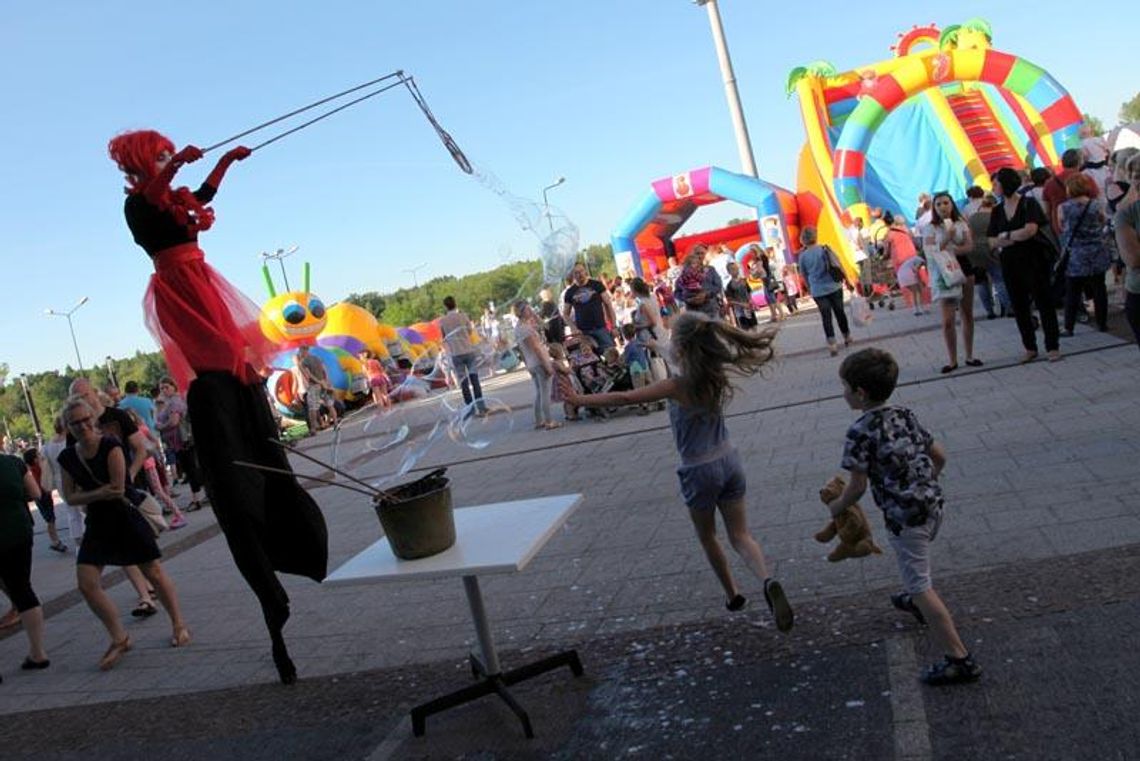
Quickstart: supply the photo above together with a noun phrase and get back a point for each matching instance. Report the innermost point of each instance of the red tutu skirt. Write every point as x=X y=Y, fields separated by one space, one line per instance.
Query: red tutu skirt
x=201 y=321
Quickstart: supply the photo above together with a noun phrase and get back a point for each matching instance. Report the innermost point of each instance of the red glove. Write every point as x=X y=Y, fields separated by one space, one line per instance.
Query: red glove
x=187 y=155
x=237 y=154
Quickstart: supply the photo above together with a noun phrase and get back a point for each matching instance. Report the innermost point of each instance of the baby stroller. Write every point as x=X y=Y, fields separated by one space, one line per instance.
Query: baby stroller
x=884 y=281
x=592 y=373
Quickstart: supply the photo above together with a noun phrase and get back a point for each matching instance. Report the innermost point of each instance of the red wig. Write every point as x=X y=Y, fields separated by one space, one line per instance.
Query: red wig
x=136 y=153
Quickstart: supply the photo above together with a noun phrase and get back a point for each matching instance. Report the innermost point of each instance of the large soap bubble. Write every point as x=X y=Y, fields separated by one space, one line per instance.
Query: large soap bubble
x=482 y=423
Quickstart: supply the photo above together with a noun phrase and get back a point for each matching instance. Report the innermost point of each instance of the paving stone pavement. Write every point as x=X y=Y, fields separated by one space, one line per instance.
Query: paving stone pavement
x=1041 y=461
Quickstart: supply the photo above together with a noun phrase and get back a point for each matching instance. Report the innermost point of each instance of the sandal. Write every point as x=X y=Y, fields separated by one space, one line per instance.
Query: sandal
x=1028 y=357
x=904 y=602
x=59 y=547
x=973 y=362
x=552 y=425
x=952 y=671
x=30 y=665
x=947 y=369
x=145 y=609
x=114 y=654
x=181 y=637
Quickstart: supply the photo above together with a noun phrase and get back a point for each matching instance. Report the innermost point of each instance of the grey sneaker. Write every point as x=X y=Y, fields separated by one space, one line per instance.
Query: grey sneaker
x=778 y=604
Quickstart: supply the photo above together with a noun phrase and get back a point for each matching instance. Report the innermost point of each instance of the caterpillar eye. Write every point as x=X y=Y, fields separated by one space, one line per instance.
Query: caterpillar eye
x=294 y=313
x=316 y=308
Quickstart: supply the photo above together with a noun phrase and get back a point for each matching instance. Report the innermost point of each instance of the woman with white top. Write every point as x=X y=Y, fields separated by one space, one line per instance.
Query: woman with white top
x=949 y=232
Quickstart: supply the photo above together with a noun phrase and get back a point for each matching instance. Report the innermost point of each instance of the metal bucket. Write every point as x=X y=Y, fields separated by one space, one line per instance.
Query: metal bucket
x=417 y=516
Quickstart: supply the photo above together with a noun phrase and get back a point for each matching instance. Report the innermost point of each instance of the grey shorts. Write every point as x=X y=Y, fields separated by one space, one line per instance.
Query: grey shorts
x=912 y=551
x=706 y=485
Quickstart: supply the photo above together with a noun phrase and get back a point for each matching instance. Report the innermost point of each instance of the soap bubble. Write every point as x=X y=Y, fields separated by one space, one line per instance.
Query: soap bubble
x=399 y=461
x=385 y=428
x=558 y=237
x=481 y=424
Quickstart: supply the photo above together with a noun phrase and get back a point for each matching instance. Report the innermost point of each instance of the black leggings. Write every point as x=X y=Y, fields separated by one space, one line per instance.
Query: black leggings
x=16 y=573
x=1075 y=290
x=829 y=304
x=1026 y=276
x=188 y=461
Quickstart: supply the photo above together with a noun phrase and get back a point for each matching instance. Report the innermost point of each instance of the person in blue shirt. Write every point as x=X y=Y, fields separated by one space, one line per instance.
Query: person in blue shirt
x=817 y=263
x=143 y=406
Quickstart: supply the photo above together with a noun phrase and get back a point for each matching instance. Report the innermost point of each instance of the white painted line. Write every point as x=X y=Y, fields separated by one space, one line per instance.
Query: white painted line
x=390 y=744
x=912 y=732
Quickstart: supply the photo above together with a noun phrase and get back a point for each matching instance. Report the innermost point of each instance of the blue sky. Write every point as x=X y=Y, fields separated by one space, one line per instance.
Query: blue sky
x=610 y=94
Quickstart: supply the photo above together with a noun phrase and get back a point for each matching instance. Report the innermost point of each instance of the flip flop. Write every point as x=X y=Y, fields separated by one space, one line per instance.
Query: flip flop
x=181 y=637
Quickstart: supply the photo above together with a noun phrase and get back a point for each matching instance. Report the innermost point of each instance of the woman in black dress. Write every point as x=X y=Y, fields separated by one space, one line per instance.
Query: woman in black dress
x=94 y=475
x=1025 y=263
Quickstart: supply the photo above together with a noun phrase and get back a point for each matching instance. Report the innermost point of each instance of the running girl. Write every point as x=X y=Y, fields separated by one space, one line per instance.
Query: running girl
x=704 y=351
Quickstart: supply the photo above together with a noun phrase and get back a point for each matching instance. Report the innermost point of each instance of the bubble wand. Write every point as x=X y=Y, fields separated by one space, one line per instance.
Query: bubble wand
x=401 y=79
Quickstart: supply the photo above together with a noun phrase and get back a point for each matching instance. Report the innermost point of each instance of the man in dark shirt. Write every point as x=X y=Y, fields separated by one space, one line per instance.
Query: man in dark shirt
x=588 y=302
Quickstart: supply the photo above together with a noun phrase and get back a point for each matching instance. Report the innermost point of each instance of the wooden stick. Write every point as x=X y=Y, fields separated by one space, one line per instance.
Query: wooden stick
x=349 y=476
x=284 y=472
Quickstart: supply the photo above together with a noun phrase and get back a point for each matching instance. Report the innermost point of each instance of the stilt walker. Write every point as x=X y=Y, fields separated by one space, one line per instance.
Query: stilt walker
x=213 y=344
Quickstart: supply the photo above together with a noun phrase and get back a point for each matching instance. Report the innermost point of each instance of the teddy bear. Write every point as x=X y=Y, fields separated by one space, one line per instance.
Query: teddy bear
x=850 y=525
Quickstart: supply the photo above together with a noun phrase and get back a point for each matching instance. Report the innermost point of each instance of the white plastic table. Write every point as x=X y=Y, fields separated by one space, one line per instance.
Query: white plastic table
x=490 y=539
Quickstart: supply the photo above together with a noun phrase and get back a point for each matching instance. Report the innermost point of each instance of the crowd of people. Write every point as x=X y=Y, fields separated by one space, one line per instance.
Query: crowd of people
x=1038 y=243
x=103 y=461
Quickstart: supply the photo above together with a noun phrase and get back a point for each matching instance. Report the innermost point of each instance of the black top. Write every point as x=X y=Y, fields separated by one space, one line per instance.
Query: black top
x=1028 y=210
x=586 y=301
x=156 y=229
x=1114 y=199
x=117 y=424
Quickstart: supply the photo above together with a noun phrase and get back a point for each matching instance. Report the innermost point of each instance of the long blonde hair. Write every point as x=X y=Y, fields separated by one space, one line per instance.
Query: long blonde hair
x=708 y=350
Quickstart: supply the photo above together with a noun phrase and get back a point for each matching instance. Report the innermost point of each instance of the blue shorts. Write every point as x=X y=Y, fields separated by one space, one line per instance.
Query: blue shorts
x=705 y=486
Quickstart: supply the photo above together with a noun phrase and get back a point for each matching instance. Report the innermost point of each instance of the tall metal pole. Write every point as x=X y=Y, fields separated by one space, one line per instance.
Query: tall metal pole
x=74 y=342
x=31 y=409
x=743 y=143
x=71 y=326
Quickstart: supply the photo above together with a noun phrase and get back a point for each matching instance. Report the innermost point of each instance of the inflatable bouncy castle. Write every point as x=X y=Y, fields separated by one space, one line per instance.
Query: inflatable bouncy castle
x=337 y=335
x=943 y=114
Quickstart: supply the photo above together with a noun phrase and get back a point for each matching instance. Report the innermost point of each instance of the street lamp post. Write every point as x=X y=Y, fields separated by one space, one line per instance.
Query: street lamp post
x=743 y=143
x=546 y=203
x=279 y=255
x=111 y=371
x=413 y=270
x=31 y=409
x=70 y=326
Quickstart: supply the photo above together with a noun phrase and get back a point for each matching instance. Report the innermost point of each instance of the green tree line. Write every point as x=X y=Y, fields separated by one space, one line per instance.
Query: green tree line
x=48 y=390
x=472 y=292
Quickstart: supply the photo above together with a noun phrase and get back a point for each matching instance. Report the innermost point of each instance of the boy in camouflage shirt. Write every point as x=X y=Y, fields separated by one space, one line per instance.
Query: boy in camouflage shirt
x=888 y=448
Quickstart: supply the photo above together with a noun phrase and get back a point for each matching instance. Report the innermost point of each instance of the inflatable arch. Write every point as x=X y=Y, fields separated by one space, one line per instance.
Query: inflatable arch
x=1053 y=116
x=644 y=237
